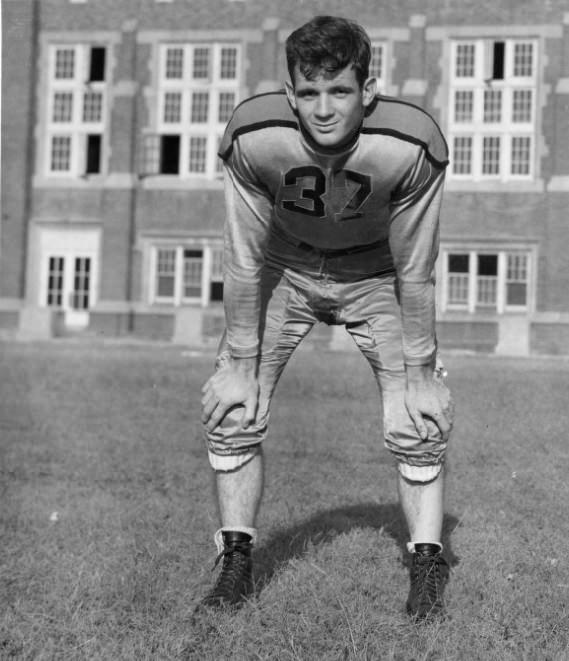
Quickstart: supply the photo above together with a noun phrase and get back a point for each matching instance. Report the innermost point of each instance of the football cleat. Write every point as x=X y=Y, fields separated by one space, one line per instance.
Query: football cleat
x=429 y=575
x=234 y=584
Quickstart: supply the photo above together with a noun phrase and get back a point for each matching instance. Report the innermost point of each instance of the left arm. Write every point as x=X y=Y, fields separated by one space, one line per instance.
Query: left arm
x=414 y=241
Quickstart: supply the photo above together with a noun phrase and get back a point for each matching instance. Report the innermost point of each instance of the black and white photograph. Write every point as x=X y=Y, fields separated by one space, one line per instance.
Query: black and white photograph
x=284 y=330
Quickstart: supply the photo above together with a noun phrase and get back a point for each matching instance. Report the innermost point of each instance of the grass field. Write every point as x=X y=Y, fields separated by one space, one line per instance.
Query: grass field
x=107 y=513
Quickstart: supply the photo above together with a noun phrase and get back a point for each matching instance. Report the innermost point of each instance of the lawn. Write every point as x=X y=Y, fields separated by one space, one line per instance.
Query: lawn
x=108 y=515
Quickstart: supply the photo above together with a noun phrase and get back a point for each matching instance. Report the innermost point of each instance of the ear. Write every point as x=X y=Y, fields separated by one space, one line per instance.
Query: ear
x=369 y=91
x=290 y=94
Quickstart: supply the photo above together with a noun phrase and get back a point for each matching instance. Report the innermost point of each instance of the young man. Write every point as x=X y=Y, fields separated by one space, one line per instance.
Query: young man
x=333 y=197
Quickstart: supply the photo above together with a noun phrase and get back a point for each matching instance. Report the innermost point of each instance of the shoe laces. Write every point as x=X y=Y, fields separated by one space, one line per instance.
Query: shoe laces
x=427 y=573
x=235 y=561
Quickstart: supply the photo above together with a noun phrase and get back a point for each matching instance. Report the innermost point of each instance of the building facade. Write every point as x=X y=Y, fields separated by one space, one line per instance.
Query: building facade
x=112 y=194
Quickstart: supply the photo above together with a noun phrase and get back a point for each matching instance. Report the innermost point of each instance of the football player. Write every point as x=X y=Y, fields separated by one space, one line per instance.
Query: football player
x=332 y=214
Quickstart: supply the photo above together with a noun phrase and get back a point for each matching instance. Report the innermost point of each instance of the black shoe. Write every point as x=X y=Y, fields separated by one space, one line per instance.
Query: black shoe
x=235 y=582
x=429 y=575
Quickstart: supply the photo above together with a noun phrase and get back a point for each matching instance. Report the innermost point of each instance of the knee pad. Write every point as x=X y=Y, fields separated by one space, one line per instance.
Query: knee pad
x=420 y=473
x=230 y=462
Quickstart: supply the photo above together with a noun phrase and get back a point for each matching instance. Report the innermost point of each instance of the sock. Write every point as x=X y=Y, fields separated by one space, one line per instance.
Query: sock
x=218 y=537
x=424 y=548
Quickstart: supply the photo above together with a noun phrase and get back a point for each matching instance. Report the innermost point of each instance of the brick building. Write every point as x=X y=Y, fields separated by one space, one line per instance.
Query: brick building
x=112 y=204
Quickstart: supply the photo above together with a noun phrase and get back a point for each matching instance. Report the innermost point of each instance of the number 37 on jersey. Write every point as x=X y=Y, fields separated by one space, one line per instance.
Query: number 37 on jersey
x=312 y=192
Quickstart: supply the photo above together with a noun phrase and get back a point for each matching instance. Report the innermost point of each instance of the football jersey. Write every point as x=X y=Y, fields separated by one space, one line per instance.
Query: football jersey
x=384 y=187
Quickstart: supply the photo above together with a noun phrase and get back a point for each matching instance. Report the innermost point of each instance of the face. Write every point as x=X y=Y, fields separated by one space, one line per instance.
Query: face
x=330 y=108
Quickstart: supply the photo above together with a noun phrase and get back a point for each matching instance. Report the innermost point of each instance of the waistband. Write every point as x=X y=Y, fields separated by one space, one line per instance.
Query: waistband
x=328 y=252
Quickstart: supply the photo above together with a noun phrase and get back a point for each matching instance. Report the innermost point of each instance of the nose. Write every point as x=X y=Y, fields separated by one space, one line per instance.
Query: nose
x=324 y=107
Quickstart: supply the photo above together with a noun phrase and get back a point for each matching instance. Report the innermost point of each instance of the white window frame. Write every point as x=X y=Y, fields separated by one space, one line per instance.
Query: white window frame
x=214 y=85
x=471 y=305
x=76 y=129
x=380 y=76
x=209 y=271
x=505 y=129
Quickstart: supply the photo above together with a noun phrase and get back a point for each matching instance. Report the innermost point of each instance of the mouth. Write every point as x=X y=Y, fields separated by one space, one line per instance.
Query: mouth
x=325 y=128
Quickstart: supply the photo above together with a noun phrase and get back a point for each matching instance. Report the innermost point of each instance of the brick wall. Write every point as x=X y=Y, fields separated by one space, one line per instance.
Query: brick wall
x=18 y=60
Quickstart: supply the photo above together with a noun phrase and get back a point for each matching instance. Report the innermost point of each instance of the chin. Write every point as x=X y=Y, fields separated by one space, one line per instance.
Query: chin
x=328 y=140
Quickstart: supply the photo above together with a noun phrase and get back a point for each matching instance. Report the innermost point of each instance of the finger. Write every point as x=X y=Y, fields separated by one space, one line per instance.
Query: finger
x=249 y=412
x=444 y=426
x=208 y=397
x=419 y=423
x=442 y=423
x=208 y=408
x=216 y=417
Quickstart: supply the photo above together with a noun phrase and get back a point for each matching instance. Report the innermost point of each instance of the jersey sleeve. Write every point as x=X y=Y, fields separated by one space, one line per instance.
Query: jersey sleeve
x=247 y=226
x=414 y=241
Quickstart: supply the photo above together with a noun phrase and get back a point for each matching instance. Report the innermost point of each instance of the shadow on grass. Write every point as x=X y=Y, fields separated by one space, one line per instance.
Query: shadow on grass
x=323 y=527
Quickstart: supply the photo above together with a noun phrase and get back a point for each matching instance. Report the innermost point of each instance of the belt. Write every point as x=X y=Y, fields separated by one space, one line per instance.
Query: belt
x=330 y=252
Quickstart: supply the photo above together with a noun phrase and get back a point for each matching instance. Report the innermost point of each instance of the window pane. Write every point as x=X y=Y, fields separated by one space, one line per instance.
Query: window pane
x=80 y=299
x=226 y=105
x=172 y=107
x=93 y=165
x=462 y=155
x=517 y=267
x=498 y=52
x=217 y=264
x=201 y=63
x=92 y=106
x=516 y=293
x=228 y=63
x=523 y=59
x=488 y=265
x=522 y=106
x=193 y=266
x=464 y=65
x=174 y=63
x=62 y=107
x=165 y=272
x=198 y=154
x=463 y=105
x=200 y=107
x=216 y=291
x=487 y=288
x=170 y=154
x=516 y=279
x=376 y=63
x=521 y=149
x=55 y=281
x=97 y=64
x=458 y=277
x=60 y=153
x=487 y=280
x=64 y=63
x=458 y=263
x=492 y=106
x=491 y=155
x=150 y=155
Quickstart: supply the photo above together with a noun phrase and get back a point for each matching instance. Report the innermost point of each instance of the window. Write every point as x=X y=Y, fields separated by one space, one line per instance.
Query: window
x=76 y=110
x=486 y=280
x=187 y=274
x=55 y=282
x=197 y=91
x=492 y=109
x=377 y=65
x=81 y=283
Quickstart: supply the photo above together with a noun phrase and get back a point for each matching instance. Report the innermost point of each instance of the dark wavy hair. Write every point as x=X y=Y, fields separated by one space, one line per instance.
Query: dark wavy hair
x=328 y=44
